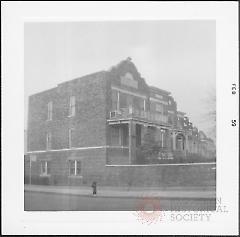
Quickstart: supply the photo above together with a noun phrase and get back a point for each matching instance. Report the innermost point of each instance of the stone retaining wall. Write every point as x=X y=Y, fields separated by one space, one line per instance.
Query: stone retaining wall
x=157 y=175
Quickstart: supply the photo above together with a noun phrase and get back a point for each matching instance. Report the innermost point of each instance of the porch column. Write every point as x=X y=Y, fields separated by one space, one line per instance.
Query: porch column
x=168 y=138
x=118 y=97
x=132 y=141
x=144 y=105
x=120 y=136
x=174 y=140
x=186 y=143
x=162 y=137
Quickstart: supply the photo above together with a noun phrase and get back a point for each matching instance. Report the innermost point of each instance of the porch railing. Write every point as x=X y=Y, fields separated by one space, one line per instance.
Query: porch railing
x=125 y=113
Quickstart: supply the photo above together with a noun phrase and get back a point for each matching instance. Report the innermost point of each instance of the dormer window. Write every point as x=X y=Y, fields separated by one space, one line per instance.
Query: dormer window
x=128 y=80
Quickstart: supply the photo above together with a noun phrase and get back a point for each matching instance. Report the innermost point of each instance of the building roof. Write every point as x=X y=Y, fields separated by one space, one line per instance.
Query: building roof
x=43 y=92
x=153 y=88
x=181 y=113
x=82 y=77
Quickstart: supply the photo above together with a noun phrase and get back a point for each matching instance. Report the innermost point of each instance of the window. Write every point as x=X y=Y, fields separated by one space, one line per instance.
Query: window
x=49 y=140
x=74 y=167
x=45 y=168
x=114 y=100
x=115 y=136
x=123 y=102
x=138 y=134
x=70 y=135
x=159 y=96
x=139 y=103
x=119 y=135
x=124 y=133
x=128 y=80
x=49 y=105
x=72 y=106
x=170 y=119
x=159 y=108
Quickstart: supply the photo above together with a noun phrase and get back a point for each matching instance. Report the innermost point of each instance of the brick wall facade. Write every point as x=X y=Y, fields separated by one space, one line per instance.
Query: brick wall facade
x=88 y=124
x=90 y=130
x=92 y=167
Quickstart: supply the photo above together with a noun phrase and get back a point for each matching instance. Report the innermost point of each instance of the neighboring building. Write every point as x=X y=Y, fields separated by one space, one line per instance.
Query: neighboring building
x=206 y=146
x=25 y=142
x=79 y=127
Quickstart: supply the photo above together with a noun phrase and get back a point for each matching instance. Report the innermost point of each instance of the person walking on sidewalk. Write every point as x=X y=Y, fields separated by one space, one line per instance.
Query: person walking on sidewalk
x=94 y=187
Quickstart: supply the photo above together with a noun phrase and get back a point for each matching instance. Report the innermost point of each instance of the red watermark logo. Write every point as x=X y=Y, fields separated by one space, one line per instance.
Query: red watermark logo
x=148 y=210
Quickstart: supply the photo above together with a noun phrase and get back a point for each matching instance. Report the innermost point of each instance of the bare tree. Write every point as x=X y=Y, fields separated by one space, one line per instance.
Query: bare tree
x=210 y=116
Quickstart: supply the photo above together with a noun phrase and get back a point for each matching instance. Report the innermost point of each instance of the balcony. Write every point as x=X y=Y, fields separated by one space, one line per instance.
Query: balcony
x=179 y=125
x=132 y=113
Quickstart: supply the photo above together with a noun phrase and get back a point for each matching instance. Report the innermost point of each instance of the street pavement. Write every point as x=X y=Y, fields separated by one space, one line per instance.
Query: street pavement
x=42 y=201
x=132 y=192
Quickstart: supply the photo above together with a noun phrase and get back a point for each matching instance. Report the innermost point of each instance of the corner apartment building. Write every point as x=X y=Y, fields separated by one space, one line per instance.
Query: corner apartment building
x=78 y=128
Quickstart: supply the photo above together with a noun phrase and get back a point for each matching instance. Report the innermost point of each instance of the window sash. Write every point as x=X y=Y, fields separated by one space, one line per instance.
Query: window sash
x=72 y=106
x=49 y=141
x=74 y=167
x=78 y=167
x=71 y=167
x=115 y=136
x=50 y=108
x=70 y=133
x=45 y=168
x=159 y=108
x=114 y=100
x=139 y=103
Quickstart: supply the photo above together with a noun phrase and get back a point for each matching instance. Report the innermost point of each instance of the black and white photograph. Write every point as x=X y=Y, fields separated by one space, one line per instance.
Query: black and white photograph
x=120 y=114
x=116 y=111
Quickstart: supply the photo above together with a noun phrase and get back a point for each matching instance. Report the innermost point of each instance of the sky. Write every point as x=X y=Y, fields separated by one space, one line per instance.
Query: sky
x=175 y=55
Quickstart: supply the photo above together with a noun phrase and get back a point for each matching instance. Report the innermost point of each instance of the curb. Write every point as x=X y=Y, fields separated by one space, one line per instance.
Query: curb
x=127 y=197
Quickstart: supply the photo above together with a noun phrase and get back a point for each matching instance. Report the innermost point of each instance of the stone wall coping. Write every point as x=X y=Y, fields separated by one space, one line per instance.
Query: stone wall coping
x=177 y=164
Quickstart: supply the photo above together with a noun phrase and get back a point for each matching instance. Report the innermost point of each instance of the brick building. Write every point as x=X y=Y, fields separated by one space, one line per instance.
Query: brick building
x=81 y=127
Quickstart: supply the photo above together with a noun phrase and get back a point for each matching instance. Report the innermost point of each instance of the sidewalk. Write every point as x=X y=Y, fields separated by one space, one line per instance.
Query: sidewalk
x=133 y=192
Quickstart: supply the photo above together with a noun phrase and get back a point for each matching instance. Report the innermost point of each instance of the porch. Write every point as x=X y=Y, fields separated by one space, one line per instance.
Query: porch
x=129 y=138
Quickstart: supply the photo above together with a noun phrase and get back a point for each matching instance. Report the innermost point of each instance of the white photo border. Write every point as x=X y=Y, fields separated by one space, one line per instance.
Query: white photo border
x=17 y=221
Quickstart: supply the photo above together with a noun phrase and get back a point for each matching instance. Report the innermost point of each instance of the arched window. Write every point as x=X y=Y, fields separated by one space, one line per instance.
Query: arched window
x=180 y=142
